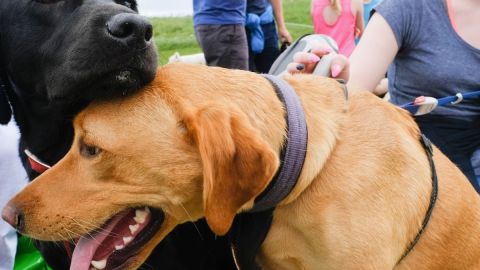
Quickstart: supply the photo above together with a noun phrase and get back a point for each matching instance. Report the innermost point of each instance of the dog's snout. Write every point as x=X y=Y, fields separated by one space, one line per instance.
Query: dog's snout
x=13 y=216
x=130 y=28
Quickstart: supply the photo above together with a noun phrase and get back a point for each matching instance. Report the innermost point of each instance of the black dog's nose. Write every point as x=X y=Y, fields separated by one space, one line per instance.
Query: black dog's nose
x=13 y=217
x=130 y=28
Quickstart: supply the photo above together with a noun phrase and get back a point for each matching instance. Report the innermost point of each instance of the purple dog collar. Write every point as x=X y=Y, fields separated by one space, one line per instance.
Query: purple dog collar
x=293 y=152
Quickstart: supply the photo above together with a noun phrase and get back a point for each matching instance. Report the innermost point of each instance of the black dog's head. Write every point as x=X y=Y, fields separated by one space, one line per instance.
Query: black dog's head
x=71 y=50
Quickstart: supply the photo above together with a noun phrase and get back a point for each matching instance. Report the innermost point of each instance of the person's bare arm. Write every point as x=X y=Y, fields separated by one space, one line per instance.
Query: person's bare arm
x=372 y=56
x=282 y=28
x=359 y=25
x=368 y=63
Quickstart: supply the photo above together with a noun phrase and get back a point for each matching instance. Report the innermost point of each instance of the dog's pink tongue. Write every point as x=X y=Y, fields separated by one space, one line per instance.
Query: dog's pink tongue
x=85 y=249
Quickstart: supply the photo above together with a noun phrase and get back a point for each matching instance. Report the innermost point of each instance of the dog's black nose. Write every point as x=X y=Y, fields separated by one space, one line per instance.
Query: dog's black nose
x=13 y=217
x=132 y=29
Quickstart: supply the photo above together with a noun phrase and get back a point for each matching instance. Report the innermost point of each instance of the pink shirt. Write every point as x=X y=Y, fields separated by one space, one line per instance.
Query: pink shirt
x=342 y=31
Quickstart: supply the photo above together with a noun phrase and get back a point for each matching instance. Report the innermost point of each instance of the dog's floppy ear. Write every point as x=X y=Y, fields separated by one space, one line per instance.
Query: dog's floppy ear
x=237 y=162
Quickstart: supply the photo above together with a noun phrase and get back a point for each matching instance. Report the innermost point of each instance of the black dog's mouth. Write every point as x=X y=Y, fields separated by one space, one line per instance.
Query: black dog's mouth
x=118 y=83
x=110 y=85
x=108 y=78
x=118 y=240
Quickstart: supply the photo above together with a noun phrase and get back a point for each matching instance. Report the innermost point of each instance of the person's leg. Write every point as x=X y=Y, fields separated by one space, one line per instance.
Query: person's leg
x=264 y=60
x=234 y=41
x=204 y=34
x=224 y=45
x=476 y=163
x=251 y=55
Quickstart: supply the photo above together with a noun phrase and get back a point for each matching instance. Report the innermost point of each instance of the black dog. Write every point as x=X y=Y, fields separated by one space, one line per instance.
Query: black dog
x=59 y=55
x=56 y=56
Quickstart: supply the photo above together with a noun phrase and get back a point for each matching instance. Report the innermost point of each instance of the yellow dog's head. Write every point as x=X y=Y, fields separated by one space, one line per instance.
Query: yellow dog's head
x=195 y=143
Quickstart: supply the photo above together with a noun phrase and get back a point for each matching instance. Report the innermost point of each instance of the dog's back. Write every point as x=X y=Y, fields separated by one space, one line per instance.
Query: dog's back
x=367 y=203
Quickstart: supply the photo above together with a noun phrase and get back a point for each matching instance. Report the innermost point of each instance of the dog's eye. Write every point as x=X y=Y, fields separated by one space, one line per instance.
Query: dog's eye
x=89 y=151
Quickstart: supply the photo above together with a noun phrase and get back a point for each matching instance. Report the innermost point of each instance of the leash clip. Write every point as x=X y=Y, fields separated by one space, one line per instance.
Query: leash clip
x=458 y=100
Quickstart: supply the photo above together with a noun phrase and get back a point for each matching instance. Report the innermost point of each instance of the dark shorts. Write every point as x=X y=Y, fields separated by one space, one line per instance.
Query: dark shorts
x=457 y=139
x=223 y=45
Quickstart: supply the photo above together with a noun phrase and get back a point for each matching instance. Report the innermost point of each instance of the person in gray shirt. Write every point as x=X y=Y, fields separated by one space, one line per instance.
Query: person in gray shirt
x=431 y=48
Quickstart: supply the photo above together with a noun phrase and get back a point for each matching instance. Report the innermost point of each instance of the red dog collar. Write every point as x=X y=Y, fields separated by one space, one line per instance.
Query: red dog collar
x=37 y=165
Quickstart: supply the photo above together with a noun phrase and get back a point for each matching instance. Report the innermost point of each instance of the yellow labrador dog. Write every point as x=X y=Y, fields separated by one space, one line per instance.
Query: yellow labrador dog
x=205 y=142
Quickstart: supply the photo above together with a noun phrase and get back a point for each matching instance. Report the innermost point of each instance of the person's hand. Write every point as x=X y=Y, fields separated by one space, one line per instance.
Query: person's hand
x=284 y=35
x=358 y=32
x=305 y=62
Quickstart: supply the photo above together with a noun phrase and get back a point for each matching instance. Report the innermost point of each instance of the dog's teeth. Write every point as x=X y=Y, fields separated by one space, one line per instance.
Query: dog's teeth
x=133 y=228
x=139 y=220
x=118 y=247
x=147 y=209
x=99 y=264
x=127 y=239
x=140 y=216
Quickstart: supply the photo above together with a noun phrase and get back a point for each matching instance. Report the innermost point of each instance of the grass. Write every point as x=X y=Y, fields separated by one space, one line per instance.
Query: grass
x=176 y=34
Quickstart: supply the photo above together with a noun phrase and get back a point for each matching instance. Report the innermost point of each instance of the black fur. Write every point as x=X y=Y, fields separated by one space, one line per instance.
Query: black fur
x=59 y=57
x=5 y=110
x=55 y=58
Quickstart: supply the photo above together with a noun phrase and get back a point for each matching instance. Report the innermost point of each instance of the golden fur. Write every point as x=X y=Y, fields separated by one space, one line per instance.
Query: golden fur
x=202 y=141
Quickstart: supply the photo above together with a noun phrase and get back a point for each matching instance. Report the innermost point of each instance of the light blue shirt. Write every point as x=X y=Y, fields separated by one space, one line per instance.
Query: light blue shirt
x=367 y=9
x=220 y=12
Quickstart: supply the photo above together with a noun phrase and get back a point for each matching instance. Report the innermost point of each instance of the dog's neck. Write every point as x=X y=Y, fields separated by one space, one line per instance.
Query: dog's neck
x=325 y=112
x=325 y=106
x=45 y=126
x=250 y=229
x=294 y=150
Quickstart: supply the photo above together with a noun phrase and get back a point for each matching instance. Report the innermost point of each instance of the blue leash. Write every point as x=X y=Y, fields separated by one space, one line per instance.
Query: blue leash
x=430 y=103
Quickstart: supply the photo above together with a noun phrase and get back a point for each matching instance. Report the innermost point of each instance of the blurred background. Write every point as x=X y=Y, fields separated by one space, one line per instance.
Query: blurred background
x=173 y=26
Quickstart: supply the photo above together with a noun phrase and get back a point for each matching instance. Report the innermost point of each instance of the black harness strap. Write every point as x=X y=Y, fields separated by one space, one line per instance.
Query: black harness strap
x=433 y=197
x=246 y=236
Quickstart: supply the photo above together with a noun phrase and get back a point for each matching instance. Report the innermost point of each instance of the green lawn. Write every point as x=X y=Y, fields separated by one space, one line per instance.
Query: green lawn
x=176 y=34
